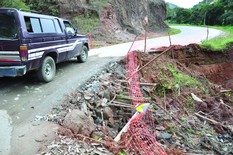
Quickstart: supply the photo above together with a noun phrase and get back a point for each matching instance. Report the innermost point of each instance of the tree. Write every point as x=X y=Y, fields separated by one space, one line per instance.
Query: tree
x=227 y=17
x=50 y=7
x=18 y=4
x=182 y=15
x=198 y=15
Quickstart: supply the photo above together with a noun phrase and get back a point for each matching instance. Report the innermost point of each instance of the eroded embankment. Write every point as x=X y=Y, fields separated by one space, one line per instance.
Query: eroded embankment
x=215 y=66
x=190 y=114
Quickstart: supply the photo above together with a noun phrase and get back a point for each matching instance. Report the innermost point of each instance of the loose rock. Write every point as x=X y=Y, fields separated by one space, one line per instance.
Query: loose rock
x=79 y=123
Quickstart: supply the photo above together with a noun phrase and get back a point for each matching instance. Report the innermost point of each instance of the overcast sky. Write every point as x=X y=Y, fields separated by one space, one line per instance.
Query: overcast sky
x=184 y=3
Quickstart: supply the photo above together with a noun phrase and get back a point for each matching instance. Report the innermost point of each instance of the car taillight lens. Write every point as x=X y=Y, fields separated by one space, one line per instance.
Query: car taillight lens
x=23 y=52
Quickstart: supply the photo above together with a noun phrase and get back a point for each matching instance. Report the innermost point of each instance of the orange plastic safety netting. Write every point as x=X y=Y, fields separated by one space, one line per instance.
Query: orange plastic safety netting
x=140 y=138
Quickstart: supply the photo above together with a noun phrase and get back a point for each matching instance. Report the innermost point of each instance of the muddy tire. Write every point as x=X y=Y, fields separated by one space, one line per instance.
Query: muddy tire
x=47 y=71
x=83 y=55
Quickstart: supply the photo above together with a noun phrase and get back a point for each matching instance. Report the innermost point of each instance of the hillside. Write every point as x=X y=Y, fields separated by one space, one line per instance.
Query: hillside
x=208 y=12
x=109 y=19
x=172 y=6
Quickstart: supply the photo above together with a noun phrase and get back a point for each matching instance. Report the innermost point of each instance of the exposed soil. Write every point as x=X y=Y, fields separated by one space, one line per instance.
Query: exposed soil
x=215 y=66
x=191 y=92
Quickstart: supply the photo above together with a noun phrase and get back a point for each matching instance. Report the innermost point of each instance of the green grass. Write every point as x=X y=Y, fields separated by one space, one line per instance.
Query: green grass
x=174 y=80
x=172 y=24
x=215 y=44
x=86 y=23
x=173 y=31
x=222 y=42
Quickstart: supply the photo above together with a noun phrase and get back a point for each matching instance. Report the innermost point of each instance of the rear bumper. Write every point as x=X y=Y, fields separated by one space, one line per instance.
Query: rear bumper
x=12 y=71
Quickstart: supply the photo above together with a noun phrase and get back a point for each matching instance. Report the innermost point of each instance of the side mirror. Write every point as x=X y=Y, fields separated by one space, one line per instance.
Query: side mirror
x=70 y=31
x=77 y=31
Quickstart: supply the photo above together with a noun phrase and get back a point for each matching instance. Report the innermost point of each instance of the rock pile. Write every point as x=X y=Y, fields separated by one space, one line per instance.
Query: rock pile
x=100 y=108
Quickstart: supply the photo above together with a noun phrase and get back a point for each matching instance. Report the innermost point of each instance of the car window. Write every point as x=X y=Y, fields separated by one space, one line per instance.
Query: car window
x=42 y=25
x=58 y=26
x=69 y=28
x=33 y=25
x=8 y=26
x=48 y=26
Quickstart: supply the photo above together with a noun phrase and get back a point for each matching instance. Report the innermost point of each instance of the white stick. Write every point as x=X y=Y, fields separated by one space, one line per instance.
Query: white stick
x=125 y=128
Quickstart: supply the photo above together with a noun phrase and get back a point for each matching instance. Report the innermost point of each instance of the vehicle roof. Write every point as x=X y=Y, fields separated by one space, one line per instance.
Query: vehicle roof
x=31 y=14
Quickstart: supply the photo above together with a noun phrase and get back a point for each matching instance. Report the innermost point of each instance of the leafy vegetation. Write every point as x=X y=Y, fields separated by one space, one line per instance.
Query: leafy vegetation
x=19 y=4
x=221 y=42
x=173 y=80
x=215 y=13
x=45 y=6
x=98 y=5
x=86 y=23
x=208 y=12
x=173 y=31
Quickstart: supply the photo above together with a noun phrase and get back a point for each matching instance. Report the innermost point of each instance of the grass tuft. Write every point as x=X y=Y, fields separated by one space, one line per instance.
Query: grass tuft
x=222 y=42
x=173 y=31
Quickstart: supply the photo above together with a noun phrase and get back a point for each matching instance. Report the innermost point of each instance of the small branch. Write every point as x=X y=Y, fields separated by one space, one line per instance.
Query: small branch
x=141 y=83
x=196 y=98
x=225 y=91
x=185 y=68
x=123 y=97
x=120 y=105
x=112 y=99
x=133 y=43
x=88 y=139
x=207 y=119
x=118 y=84
x=228 y=127
x=102 y=117
x=221 y=101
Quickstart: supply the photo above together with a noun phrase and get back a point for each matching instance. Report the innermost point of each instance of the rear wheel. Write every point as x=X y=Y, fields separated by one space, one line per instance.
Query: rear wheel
x=47 y=71
x=83 y=55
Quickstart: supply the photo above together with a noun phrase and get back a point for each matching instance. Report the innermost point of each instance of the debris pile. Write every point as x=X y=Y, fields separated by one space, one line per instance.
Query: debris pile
x=192 y=113
x=71 y=146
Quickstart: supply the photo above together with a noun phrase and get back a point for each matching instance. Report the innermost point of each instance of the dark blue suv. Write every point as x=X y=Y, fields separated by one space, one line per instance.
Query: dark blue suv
x=31 y=41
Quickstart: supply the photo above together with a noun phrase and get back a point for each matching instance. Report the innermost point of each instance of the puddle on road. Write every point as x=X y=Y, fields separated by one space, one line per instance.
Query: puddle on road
x=5 y=132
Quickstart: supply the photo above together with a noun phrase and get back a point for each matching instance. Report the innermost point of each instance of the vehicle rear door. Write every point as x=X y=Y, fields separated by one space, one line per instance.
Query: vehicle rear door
x=9 y=38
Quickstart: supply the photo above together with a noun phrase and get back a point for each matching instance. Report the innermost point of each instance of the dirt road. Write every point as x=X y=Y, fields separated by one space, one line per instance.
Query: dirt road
x=24 y=100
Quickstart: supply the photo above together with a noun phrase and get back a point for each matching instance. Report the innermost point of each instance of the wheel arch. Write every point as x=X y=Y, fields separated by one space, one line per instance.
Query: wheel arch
x=87 y=45
x=52 y=54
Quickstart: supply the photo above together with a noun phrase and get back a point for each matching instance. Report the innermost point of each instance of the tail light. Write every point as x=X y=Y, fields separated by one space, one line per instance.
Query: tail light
x=23 y=51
